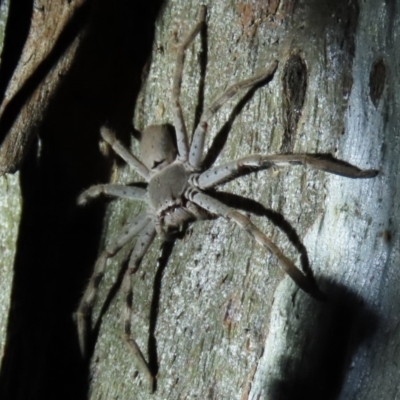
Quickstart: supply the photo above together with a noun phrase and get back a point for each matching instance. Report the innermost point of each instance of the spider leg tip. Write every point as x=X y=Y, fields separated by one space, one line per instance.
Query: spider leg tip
x=370 y=173
x=107 y=134
x=82 y=348
x=81 y=200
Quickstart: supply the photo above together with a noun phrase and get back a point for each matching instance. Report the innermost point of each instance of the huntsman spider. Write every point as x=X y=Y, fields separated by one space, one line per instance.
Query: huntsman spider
x=179 y=192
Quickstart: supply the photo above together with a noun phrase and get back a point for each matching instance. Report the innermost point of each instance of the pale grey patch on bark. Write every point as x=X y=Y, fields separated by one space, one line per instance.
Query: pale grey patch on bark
x=10 y=213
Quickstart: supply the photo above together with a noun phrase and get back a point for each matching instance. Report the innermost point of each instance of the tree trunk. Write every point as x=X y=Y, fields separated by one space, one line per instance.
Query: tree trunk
x=216 y=317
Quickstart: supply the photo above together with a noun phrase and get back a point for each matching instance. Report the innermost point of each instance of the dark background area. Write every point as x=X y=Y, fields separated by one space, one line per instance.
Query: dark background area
x=57 y=240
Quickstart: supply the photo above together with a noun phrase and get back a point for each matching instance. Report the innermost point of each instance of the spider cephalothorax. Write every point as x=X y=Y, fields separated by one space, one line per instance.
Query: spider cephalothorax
x=179 y=191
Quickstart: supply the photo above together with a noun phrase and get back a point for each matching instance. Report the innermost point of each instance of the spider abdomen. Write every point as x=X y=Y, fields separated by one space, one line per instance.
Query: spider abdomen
x=167 y=186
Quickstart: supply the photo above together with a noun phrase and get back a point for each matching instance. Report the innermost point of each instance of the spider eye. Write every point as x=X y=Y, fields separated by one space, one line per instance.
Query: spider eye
x=157 y=163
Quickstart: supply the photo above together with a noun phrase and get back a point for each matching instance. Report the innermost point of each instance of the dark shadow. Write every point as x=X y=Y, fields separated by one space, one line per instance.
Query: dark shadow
x=162 y=263
x=167 y=248
x=254 y=207
x=112 y=293
x=58 y=241
x=203 y=59
x=331 y=333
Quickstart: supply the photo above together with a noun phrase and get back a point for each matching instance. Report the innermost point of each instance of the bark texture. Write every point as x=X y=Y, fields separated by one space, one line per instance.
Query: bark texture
x=215 y=317
x=54 y=31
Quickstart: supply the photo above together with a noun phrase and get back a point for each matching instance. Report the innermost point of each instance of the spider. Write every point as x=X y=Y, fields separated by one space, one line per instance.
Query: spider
x=179 y=191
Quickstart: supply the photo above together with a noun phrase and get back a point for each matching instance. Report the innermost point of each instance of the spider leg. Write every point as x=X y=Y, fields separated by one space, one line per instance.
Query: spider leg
x=122 y=191
x=216 y=207
x=197 y=146
x=230 y=170
x=109 y=136
x=179 y=122
x=86 y=305
x=142 y=245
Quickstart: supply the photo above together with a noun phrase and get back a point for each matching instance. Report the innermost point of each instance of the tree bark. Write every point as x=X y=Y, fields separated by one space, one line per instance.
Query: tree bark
x=215 y=317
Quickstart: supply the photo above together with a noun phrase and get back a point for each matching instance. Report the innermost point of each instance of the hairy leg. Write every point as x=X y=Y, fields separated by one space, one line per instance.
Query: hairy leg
x=179 y=122
x=230 y=170
x=122 y=191
x=109 y=136
x=197 y=146
x=216 y=207
x=142 y=245
x=84 y=312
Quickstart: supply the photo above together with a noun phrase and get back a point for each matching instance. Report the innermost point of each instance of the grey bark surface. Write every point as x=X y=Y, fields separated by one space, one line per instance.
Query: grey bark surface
x=229 y=324
x=45 y=58
x=219 y=319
